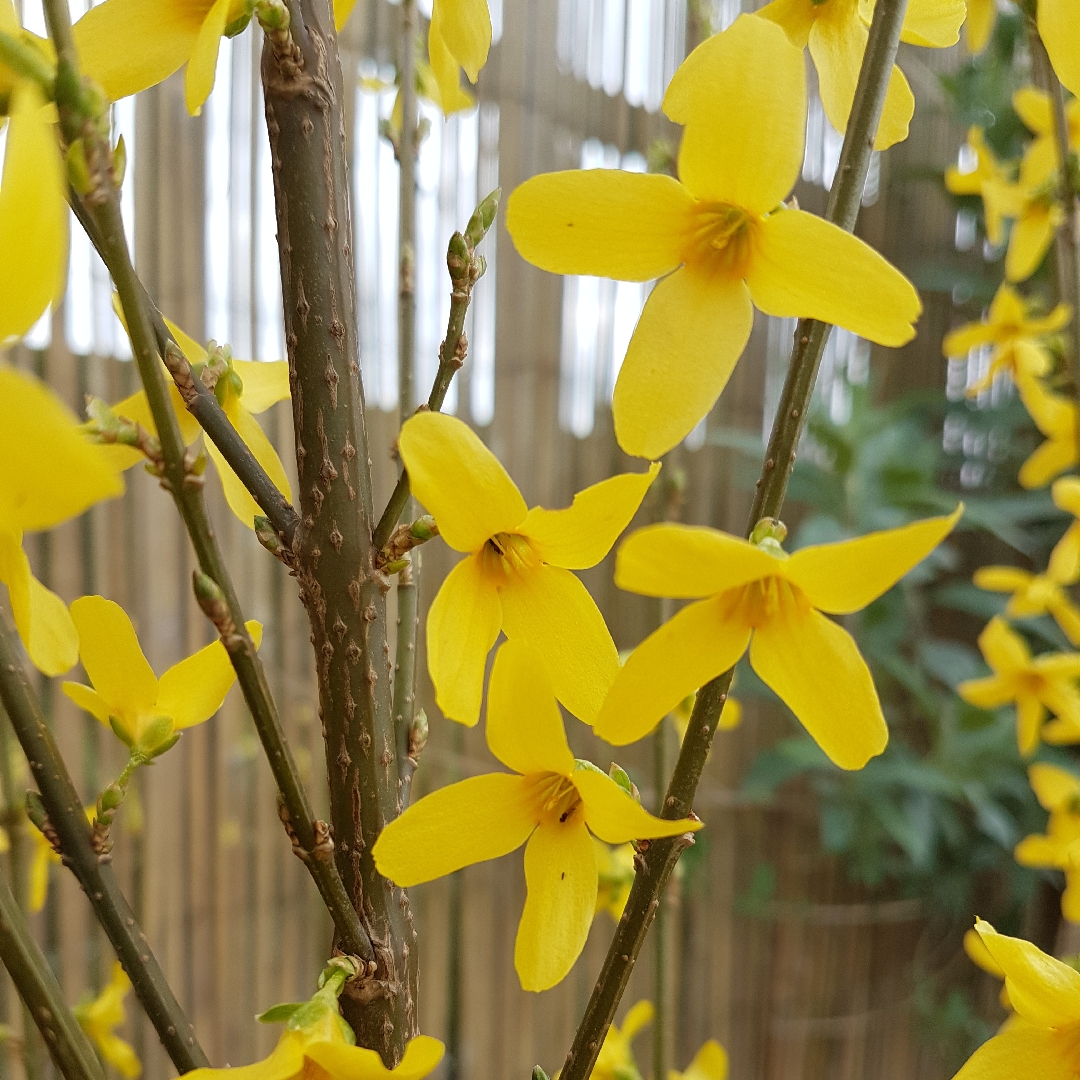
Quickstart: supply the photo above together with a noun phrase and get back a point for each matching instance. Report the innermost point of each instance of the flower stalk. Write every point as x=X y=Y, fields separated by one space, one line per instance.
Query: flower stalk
x=656 y=864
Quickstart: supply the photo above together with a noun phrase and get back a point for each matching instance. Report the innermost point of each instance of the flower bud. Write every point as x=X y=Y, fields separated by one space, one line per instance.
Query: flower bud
x=482 y=218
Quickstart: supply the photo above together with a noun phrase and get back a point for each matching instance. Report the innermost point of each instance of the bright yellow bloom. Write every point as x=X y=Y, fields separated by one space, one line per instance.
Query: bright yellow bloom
x=517 y=577
x=1059 y=28
x=759 y=596
x=99 y=1016
x=1035 y=109
x=1035 y=216
x=980 y=956
x=1038 y=594
x=1066 y=496
x=129 y=45
x=1056 y=417
x=50 y=473
x=979 y=25
x=33 y=203
x=550 y=806
x=730 y=718
x=616 y=1058
x=245 y=388
x=41 y=859
x=1058 y=791
x=836 y=32
x=127 y=696
x=1016 y=335
x=987 y=167
x=710 y=1063
x=719 y=234
x=1035 y=684
x=1044 y=1039
x=615 y=870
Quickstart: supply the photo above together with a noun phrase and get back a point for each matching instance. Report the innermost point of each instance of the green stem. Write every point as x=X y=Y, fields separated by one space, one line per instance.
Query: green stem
x=662 y=855
x=37 y=986
x=66 y=816
x=27 y=61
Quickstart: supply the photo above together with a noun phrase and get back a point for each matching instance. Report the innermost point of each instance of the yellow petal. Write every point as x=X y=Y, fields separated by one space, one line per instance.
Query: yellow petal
x=524 y=725
x=550 y=612
x=605 y=222
x=119 y=1054
x=33 y=214
x=1042 y=990
x=88 y=699
x=804 y=266
x=1070 y=898
x=265 y=383
x=285 y=1063
x=191 y=349
x=420 y=1058
x=1051 y=458
x=616 y=817
x=481 y=818
x=451 y=97
x=37 y=490
x=1060 y=30
x=1033 y=107
x=581 y=535
x=846 y=576
x=1054 y=787
x=463 y=623
x=339 y=1059
x=987 y=693
x=1030 y=715
x=1005 y=650
x=691 y=333
x=934 y=24
x=979 y=954
x=696 y=645
x=41 y=617
x=202 y=66
x=137 y=408
x=982 y=14
x=111 y=655
x=459 y=480
x=1066 y=495
x=816 y=669
x=710 y=1063
x=795 y=16
x=1064 y=564
x=688 y=561
x=742 y=96
x=965 y=338
x=1001 y=578
x=561 y=878
x=158 y=38
x=465 y=26
x=342 y=10
x=638 y=1016
x=194 y=689
x=1032 y=235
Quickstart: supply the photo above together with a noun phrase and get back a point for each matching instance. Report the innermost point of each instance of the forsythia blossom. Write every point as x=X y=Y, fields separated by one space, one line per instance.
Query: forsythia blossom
x=1058 y=792
x=1036 y=110
x=979 y=25
x=757 y=595
x=710 y=1063
x=550 y=806
x=99 y=1016
x=1056 y=417
x=719 y=237
x=616 y=1058
x=1059 y=29
x=517 y=576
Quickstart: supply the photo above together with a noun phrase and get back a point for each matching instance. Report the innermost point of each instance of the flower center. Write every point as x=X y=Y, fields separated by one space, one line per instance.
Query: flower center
x=557 y=798
x=759 y=602
x=510 y=553
x=721 y=238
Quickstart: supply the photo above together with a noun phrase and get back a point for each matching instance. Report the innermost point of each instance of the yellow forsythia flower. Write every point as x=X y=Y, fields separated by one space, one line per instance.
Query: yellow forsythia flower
x=1038 y=594
x=616 y=1058
x=1058 y=792
x=1034 y=108
x=50 y=473
x=517 y=575
x=979 y=26
x=987 y=167
x=615 y=869
x=1035 y=684
x=980 y=956
x=1035 y=215
x=1066 y=496
x=247 y=387
x=836 y=33
x=710 y=1063
x=33 y=204
x=759 y=596
x=1056 y=417
x=1059 y=27
x=1015 y=334
x=41 y=859
x=719 y=234
x=550 y=806
x=1046 y=996
x=129 y=45
x=99 y=1016
x=127 y=696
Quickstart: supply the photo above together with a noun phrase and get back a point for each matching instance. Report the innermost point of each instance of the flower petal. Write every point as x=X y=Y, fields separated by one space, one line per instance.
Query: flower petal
x=339 y=1059
x=158 y=39
x=1060 y=30
x=582 y=534
x=690 y=335
x=1004 y=649
x=1033 y=106
x=459 y=480
x=111 y=655
x=1054 y=787
x=616 y=817
x=963 y=339
x=1042 y=990
x=202 y=64
x=982 y=14
x=451 y=97
x=1015 y=1052
x=1047 y=461
x=465 y=26
x=989 y=693
x=481 y=818
x=710 y=1063
x=524 y=725
x=815 y=667
x=88 y=699
x=685 y=562
x=1032 y=235
x=562 y=880
x=795 y=16
x=742 y=96
x=604 y=222
x=1030 y=715
x=846 y=576
x=551 y=612
x=194 y=689
x=697 y=644
x=806 y=267
x=285 y=1062
x=342 y=10
x=934 y=24
x=33 y=214
x=1001 y=578
x=265 y=383
x=463 y=623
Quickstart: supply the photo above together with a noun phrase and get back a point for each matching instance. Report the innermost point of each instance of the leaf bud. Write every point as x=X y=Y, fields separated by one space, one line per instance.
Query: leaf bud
x=119 y=161
x=458 y=257
x=35 y=810
x=418 y=733
x=273 y=15
x=482 y=218
x=266 y=534
x=620 y=776
x=78 y=168
x=110 y=798
x=424 y=528
x=538 y=1073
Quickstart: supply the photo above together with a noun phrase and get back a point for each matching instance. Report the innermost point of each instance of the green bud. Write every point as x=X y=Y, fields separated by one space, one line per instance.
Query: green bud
x=482 y=218
x=35 y=810
x=397 y=565
x=119 y=161
x=424 y=528
x=236 y=384
x=95 y=105
x=458 y=257
x=418 y=733
x=620 y=776
x=479 y=267
x=157 y=738
x=273 y=15
x=206 y=589
x=121 y=732
x=78 y=168
x=110 y=798
x=538 y=1073
x=768 y=529
x=266 y=534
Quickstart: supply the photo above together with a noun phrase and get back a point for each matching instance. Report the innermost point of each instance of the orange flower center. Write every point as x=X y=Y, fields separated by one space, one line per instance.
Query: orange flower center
x=557 y=798
x=721 y=238
x=510 y=553
x=759 y=602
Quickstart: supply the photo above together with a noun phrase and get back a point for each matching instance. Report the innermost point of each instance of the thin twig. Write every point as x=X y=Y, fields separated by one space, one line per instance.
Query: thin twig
x=657 y=863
